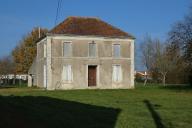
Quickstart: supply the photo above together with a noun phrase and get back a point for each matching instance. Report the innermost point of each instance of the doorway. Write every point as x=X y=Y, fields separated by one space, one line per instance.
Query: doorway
x=92 y=75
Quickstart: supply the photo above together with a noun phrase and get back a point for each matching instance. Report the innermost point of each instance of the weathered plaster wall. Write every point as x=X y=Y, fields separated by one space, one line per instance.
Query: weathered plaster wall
x=54 y=61
x=32 y=80
x=80 y=62
x=40 y=62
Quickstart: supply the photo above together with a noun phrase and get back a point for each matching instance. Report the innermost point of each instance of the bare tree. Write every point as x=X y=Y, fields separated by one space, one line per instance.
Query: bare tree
x=147 y=51
x=156 y=58
x=6 y=66
x=164 y=63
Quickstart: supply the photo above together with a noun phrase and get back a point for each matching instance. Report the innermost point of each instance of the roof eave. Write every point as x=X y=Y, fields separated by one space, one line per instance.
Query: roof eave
x=43 y=37
x=120 y=37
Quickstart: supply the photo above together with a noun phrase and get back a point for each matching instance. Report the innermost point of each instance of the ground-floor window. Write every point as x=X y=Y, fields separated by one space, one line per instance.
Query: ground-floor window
x=67 y=74
x=45 y=76
x=117 y=73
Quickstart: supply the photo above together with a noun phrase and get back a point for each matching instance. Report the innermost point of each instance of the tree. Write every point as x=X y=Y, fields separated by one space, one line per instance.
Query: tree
x=6 y=67
x=156 y=58
x=147 y=52
x=180 y=36
x=25 y=52
x=164 y=63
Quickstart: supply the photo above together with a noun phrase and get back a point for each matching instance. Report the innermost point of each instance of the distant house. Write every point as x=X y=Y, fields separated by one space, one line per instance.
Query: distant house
x=12 y=79
x=84 y=53
x=142 y=75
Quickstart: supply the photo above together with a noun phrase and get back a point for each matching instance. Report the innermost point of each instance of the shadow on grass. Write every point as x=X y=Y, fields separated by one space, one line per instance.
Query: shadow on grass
x=157 y=119
x=46 y=112
x=177 y=87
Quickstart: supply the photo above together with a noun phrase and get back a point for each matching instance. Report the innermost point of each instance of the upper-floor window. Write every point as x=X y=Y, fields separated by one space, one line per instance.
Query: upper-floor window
x=45 y=50
x=116 y=50
x=67 y=49
x=92 y=49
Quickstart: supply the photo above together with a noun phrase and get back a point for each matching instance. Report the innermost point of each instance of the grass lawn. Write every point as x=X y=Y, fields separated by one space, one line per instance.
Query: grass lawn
x=143 y=107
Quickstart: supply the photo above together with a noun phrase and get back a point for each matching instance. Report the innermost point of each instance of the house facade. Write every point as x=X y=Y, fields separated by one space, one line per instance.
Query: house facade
x=84 y=53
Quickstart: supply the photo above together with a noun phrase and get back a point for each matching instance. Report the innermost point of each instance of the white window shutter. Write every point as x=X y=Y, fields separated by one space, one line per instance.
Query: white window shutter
x=67 y=75
x=64 y=75
x=113 y=74
x=117 y=73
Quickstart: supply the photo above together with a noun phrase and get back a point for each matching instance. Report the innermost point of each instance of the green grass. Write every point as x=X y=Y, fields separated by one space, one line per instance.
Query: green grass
x=143 y=107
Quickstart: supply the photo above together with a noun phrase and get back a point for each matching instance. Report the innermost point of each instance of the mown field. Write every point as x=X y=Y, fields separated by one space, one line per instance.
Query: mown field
x=143 y=107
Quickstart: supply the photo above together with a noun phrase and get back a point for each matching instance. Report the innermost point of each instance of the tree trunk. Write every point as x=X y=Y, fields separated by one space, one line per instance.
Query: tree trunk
x=145 y=82
x=164 y=76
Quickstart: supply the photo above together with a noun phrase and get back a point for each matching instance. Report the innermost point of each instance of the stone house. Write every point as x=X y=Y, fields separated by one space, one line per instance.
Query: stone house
x=84 y=53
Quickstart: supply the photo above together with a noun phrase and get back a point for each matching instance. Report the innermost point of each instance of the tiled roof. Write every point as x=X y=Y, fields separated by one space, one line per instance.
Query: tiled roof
x=88 y=26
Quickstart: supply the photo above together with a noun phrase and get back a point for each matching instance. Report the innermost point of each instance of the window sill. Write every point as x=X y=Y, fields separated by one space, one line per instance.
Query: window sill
x=117 y=82
x=92 y=58
x=67 y=82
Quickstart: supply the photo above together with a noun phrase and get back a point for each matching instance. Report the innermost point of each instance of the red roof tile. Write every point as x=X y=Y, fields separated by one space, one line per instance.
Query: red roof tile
x=88 y=26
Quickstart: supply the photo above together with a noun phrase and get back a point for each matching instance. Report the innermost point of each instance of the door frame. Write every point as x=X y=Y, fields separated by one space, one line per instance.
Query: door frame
x=97 y=75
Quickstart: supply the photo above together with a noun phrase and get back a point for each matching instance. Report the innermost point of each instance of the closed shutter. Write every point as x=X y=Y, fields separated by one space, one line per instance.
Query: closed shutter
x=92 y=50
x=67 y=74
x=116 y=50
x=117 y=73
x=67 y=49
x=114 y=74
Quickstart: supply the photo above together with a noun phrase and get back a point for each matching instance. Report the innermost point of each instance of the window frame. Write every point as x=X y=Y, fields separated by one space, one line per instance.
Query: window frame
x=96 y=53
x=63 y=73
x=44 y=50
x=121 y=77
x=113 y=50
x=63 y=45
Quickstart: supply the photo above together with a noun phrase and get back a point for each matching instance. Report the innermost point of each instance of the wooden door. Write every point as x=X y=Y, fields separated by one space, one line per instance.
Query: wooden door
x=92 y=75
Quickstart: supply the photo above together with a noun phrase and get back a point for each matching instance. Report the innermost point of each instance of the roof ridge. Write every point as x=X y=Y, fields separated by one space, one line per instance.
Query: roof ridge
x=84 y=17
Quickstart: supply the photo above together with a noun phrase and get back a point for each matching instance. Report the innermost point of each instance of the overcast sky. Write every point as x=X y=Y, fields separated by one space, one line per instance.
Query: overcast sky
x=138 y=17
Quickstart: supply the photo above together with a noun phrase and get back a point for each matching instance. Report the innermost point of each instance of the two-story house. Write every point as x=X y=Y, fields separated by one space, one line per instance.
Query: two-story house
x=83 y=53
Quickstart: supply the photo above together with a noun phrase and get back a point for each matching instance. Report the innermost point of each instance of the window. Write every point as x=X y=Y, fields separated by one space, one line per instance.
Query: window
x=45 y=50
x=92 y=49
x=67 y=49
x=117 y=73
x=116 y=50
x=45 y=76
x=67 y=74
